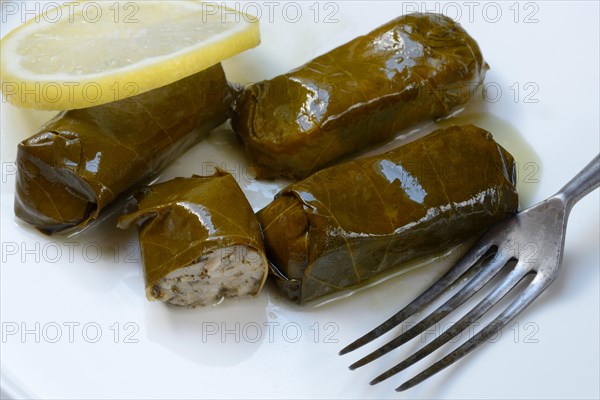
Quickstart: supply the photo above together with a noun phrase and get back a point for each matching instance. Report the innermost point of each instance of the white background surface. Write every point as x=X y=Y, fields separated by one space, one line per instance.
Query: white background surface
x=552 y=352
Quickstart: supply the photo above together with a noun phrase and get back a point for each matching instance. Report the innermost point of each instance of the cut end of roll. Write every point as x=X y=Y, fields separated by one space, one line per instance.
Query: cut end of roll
x=234 y=271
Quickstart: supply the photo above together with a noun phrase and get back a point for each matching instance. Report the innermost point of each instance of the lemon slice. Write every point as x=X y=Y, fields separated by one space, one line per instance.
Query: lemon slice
x=84 y=54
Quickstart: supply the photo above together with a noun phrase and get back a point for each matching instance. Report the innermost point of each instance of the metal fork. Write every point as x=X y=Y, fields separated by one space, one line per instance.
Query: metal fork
x=542 y=226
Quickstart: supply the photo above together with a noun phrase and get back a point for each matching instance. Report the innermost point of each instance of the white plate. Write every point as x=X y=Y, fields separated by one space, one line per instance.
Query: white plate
x=75 y=323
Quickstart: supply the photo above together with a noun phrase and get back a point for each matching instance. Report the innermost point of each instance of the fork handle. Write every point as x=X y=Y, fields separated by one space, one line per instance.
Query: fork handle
x=583 y=183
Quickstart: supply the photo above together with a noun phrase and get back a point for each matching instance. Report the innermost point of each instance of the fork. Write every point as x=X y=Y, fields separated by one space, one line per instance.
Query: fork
x=541 y=228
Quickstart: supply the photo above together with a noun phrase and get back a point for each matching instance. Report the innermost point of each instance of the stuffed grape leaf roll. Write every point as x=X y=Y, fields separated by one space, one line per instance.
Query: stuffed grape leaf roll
x=200 y=241
x=415 y=68
x=83 y=160
x=348 y=223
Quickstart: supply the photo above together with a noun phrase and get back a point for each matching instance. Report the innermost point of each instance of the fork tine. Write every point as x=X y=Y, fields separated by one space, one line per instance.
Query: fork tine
x=475 y=254
x=481 y=308
x=486 y=271
x=533 y=290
